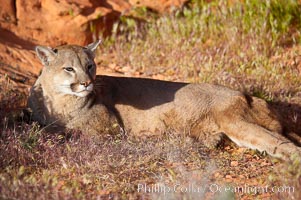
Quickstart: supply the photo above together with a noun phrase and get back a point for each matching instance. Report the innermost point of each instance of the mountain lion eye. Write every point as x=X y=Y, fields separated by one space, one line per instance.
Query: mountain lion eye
x=68 y=69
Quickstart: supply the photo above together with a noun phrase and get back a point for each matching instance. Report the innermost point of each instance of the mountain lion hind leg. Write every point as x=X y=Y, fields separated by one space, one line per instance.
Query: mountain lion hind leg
x=256 y=126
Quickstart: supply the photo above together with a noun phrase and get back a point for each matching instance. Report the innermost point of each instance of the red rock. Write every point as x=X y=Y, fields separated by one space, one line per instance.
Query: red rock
x=54 y=22
x=7 y=11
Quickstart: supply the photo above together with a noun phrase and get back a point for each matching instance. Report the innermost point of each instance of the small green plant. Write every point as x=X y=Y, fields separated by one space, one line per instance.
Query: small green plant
x=32 y=138
x=71 y=12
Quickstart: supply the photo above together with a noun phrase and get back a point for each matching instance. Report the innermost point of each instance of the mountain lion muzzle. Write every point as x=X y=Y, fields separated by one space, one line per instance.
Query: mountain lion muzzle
x=70 y=95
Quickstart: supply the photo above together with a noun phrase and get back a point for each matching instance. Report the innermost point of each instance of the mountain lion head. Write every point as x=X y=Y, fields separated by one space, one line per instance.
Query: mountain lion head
x=71 y=69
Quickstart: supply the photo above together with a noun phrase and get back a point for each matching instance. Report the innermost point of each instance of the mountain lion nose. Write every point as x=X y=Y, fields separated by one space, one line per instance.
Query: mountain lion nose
x=86 y=84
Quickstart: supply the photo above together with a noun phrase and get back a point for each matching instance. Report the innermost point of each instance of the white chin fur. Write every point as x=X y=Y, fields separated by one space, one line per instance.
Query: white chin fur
x=82 y=93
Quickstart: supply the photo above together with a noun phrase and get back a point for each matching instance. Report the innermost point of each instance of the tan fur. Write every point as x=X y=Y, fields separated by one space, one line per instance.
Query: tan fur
x=145 y=106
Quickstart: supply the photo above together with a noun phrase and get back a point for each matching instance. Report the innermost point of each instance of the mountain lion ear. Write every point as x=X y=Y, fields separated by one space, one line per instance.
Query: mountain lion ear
x=93 y=46
x=46 y=54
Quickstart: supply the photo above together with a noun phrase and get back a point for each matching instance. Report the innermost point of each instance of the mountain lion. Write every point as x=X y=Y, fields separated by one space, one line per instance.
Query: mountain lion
x=68 y=94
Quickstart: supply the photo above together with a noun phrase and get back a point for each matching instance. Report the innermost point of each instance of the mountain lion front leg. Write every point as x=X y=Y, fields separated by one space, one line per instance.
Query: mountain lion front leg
x=96 y=120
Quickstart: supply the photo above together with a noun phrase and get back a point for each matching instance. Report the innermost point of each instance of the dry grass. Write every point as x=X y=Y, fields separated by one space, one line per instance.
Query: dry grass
x=217 y=42
x=39 y=165
x=251 y=46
